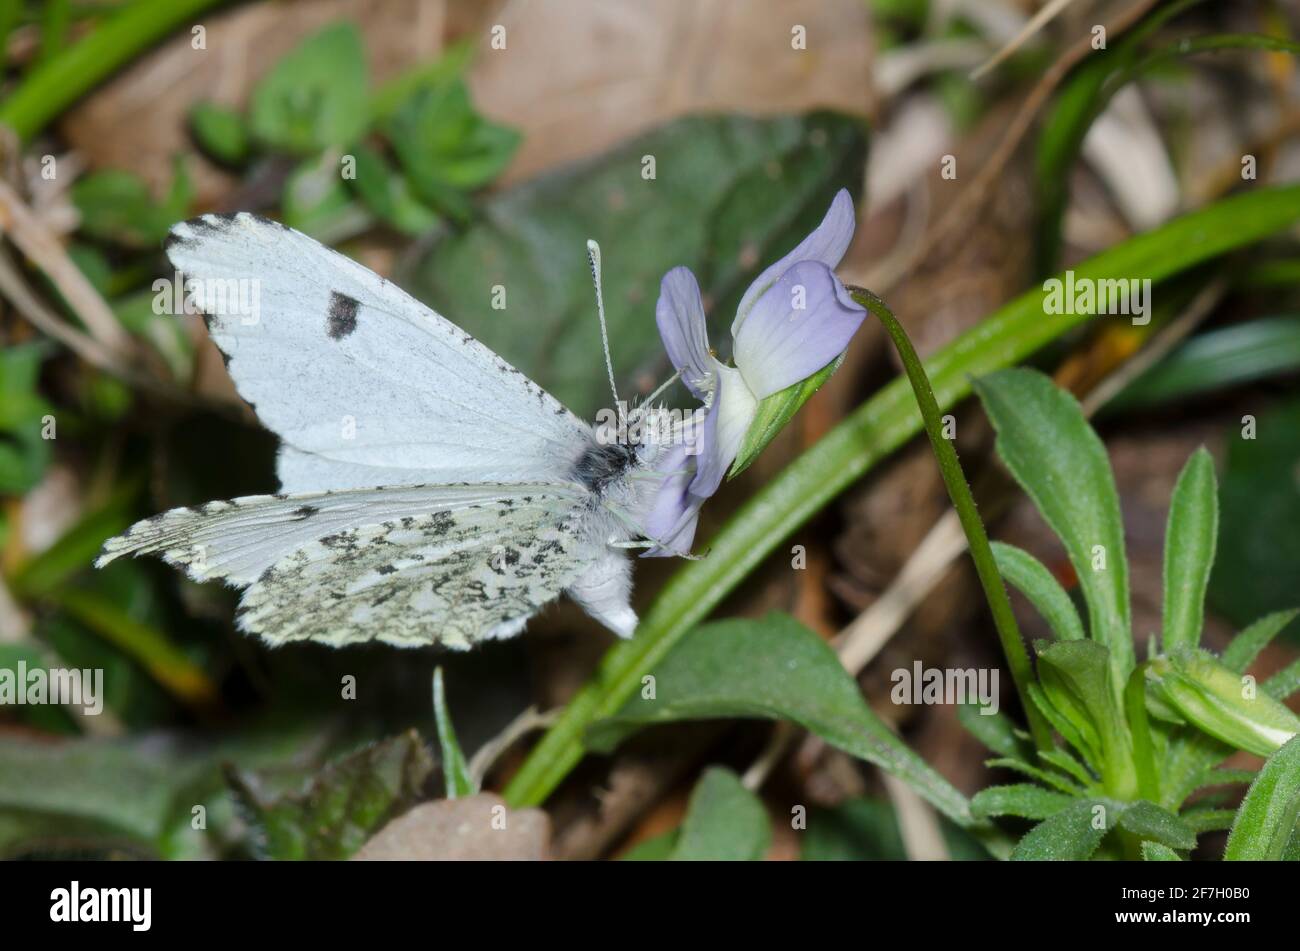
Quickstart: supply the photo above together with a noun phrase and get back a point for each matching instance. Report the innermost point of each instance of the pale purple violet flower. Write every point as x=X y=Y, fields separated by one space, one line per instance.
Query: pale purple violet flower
x=792 y=321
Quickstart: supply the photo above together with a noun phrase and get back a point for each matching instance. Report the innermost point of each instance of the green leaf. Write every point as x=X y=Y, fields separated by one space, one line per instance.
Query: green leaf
x=1048 y=446
x=342 y=806
x=1219 y=359
x=76 y=547
x=1020 y=799
x=1146 y=738
x=1031 y=578
x=1155 y=852
x=1223 y=777
x=724 y=822
x=148 y=645
x=775 y=411
x=1075 y=677
x=655 y=849
x=427 y=75
x=315 y=97
x=1056 y=781
x=731 y=195
x=220 y=132
x=858 y=829
x=1245 y=647
x=1148 y=821
x=318 y=203
x=168 y=337
x=111 y=793
x=1259 y=549
x=1209 y=820
x=1072 y=834
x=444 y=145
x=108 y=786
x=1190 y=536
x=118 y=207
x=1065 y=761
x=1080 y=735
x=866 y=829
x=457 y=781
x=1213 y=698
x=387 y=193
x=853 y=448
x=1266 y=819
x=24 y=452
x=1285 y=682
x=774 y=668
x=996 y=731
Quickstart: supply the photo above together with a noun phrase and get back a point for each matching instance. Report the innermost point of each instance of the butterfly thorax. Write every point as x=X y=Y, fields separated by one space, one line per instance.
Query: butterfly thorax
x=603 y=463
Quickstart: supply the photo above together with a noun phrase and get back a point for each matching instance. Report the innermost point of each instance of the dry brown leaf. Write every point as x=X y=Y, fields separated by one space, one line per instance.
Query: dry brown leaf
x=576 y=78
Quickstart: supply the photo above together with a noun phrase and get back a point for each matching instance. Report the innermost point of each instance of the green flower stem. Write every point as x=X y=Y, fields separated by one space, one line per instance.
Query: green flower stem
x=60 y=80
x=852 y=448
x=995 y=592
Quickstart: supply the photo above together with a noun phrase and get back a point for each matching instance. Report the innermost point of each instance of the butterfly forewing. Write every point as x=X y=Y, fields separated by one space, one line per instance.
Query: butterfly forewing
x=365 y=385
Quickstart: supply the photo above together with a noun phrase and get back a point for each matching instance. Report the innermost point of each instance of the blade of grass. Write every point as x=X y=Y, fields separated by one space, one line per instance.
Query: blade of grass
x=868 y=435
x=62 y=79
x=148 y=646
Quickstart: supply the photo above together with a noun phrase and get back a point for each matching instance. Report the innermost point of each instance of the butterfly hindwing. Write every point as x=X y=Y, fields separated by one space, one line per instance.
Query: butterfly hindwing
x=408 y=565
x=453 y=577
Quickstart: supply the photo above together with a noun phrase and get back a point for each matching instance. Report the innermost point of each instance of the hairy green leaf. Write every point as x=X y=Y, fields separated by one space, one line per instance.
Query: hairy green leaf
x=1245 y=647
x=1155 y=852
x=1048 y=446
x=1031 y=578
x=996 y=731
x=342 y=806
x=1266 y=819
x=1020 y=799
x=724 y=822
x=1072 y=834
x=773 y=668
x=1190 y=537
x=1148 y=821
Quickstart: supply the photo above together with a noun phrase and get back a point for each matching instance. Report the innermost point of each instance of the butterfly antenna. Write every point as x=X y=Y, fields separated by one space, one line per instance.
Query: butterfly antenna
x=593 y=256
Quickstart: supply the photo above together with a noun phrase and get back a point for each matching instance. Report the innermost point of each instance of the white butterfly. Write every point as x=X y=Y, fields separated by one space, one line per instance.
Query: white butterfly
x=430 y=492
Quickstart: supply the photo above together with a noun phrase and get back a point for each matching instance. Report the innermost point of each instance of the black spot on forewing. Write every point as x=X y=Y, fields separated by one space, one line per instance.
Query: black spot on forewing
x=342 y=315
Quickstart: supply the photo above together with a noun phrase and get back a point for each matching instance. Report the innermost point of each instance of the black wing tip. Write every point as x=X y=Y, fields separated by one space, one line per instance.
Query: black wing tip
x=184 y=234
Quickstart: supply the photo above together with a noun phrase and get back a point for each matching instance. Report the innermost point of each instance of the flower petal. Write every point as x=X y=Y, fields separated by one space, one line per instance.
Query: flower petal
x=679 y=314
x=803 y=322
x=827 y=244
x=730 y=416
x=673 y=514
